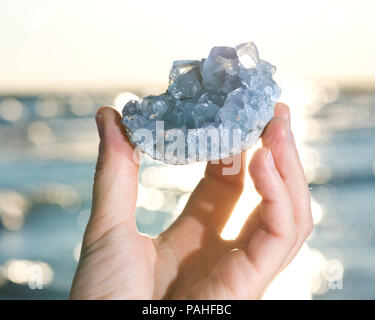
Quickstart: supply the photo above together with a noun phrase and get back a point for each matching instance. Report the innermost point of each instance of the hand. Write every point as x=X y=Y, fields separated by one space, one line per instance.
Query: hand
x=190 y=260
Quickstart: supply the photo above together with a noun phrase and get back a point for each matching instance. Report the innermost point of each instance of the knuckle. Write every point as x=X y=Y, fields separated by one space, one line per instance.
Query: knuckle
x=309 y=226
x=306 y=228
x=293 y=238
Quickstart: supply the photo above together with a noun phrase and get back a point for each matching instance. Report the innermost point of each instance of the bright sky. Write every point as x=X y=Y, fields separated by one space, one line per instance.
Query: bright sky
x=51 y=44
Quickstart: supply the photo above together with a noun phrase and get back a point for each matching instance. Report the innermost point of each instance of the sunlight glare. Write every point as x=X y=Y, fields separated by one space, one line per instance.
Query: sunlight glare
x=122 y=99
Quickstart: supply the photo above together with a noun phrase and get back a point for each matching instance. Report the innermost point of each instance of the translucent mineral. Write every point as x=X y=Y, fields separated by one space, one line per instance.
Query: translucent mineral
x=212 y=109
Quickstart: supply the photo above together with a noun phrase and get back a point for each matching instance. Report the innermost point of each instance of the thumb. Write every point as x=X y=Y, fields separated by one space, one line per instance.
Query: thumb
x=116 y=178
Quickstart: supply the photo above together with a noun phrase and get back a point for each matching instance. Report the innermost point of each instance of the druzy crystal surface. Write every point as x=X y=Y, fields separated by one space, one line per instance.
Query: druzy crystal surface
x=213 y=108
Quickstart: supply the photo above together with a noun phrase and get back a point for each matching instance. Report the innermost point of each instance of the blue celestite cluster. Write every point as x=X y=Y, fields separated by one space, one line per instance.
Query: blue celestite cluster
x=226 y=99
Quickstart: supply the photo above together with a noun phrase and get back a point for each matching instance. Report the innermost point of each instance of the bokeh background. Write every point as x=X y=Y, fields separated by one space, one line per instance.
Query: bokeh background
x=61 y=60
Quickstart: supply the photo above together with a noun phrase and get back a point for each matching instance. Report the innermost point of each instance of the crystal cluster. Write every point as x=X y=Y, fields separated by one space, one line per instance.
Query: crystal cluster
x=226 y=99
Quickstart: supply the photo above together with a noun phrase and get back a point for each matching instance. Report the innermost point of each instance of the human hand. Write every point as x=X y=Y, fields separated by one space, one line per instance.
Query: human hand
x=190 y=260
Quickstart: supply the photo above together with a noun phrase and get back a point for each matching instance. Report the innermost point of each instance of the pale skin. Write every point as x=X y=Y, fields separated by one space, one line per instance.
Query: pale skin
x=190 y=260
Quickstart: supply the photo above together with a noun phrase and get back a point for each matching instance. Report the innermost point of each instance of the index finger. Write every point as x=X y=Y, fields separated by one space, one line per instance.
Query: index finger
x=288 y=164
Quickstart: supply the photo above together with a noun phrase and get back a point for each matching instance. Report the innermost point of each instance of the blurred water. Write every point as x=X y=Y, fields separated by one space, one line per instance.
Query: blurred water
x=48 y=148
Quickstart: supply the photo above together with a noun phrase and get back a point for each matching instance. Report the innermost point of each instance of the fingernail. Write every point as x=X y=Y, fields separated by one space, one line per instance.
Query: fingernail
x=285 y=116
x=289 y=129
x=100 y=125
x=289 y=133
x=270 y=159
